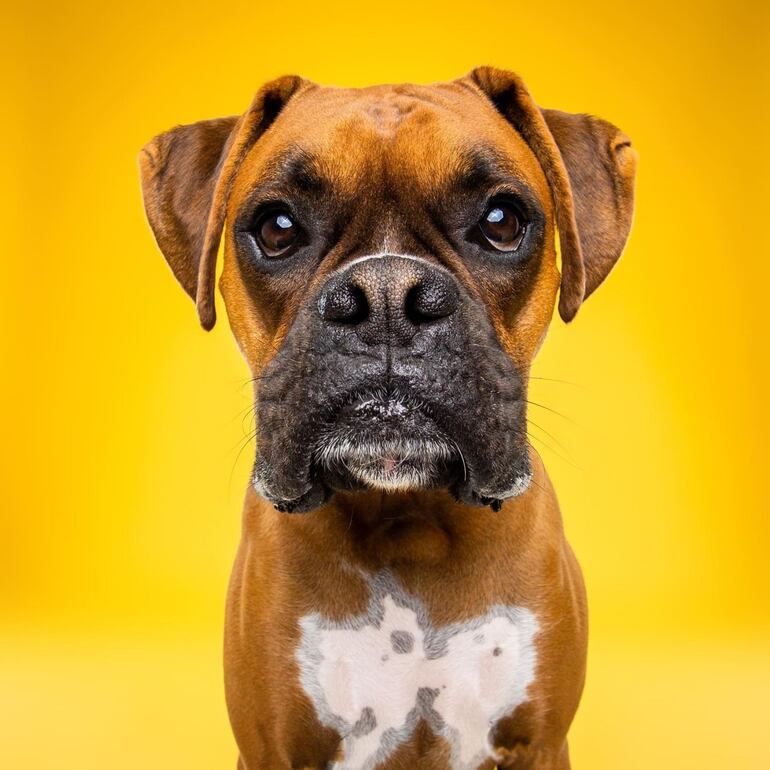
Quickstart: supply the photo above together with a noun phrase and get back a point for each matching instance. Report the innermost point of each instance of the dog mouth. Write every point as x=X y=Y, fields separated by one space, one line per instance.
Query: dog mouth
x=386 y=441
x=392 y=440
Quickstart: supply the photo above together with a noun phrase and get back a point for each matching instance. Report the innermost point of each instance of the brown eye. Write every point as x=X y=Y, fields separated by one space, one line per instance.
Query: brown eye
x=276 y=233
x=502 y=227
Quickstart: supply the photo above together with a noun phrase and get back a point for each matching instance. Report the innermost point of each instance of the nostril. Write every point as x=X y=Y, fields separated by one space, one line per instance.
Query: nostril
x=430 y=301
x=344 y=303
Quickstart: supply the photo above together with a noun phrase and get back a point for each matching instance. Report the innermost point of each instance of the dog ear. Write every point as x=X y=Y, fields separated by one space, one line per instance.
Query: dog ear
x=602 y=166
x=589 y=165
x=187 y=174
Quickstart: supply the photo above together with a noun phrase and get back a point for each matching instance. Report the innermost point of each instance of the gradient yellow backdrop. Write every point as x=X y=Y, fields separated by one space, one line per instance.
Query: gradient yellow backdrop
x=121 y=473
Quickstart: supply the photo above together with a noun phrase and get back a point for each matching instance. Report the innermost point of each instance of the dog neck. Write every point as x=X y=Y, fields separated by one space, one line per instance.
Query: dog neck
x=425 y=528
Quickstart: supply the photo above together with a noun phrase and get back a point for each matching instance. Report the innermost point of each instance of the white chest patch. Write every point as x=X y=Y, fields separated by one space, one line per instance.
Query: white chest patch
x=374 y=677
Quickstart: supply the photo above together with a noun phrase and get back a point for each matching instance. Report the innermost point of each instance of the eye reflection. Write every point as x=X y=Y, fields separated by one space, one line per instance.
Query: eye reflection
x=502 y=227
x=277 y=233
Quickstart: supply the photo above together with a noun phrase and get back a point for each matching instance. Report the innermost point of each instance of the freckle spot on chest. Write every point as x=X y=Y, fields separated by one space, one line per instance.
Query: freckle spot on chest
x=402 y=641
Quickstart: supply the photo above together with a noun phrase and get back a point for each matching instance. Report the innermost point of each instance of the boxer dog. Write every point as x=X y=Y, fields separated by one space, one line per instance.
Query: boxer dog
x=403 y=596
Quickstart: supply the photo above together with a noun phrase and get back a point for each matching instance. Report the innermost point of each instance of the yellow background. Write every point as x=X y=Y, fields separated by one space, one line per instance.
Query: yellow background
x=121 y=478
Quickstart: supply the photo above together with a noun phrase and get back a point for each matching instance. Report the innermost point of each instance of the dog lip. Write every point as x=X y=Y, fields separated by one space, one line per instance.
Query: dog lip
x=315 y=495
x=519 y=486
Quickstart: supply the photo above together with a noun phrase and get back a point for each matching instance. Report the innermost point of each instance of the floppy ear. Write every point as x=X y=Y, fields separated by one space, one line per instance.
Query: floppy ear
x=589 y=165
x=601 y=165
x=187 y=174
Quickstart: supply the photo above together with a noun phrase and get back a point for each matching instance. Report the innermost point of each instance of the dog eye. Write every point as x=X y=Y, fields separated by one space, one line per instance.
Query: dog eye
x=277 y=233
x=502 y=226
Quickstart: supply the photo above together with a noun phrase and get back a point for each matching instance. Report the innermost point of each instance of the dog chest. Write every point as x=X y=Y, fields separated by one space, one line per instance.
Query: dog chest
x=374 y=677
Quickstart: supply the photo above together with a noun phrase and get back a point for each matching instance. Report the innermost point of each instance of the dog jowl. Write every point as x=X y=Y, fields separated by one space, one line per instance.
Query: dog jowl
x=389 y=273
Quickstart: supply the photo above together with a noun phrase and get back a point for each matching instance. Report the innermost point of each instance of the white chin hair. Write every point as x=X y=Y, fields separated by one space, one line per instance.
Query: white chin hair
x=395 y=481
x=393 y=466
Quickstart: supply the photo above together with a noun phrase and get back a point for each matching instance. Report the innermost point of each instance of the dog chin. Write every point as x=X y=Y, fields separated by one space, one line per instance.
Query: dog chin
x=387 y=441
x=391 y=465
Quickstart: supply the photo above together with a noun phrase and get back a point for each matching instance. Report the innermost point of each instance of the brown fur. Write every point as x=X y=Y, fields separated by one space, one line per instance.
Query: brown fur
x=459 y=560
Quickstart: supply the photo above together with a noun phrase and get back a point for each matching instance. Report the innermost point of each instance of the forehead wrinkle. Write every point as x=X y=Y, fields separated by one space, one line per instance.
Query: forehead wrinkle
x=294 y=167
x=483 y=165
x=475 y=166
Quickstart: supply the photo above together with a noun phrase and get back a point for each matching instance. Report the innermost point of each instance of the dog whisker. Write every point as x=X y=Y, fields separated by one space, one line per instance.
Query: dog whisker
x=549 y=409
x=550 y=435
x=551 y=449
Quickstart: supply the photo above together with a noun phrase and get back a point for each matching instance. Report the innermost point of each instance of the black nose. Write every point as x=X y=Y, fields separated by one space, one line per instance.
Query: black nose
x=388 y=299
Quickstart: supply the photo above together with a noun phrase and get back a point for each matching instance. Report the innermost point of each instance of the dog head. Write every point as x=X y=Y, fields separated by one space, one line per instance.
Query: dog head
x=390 y=269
